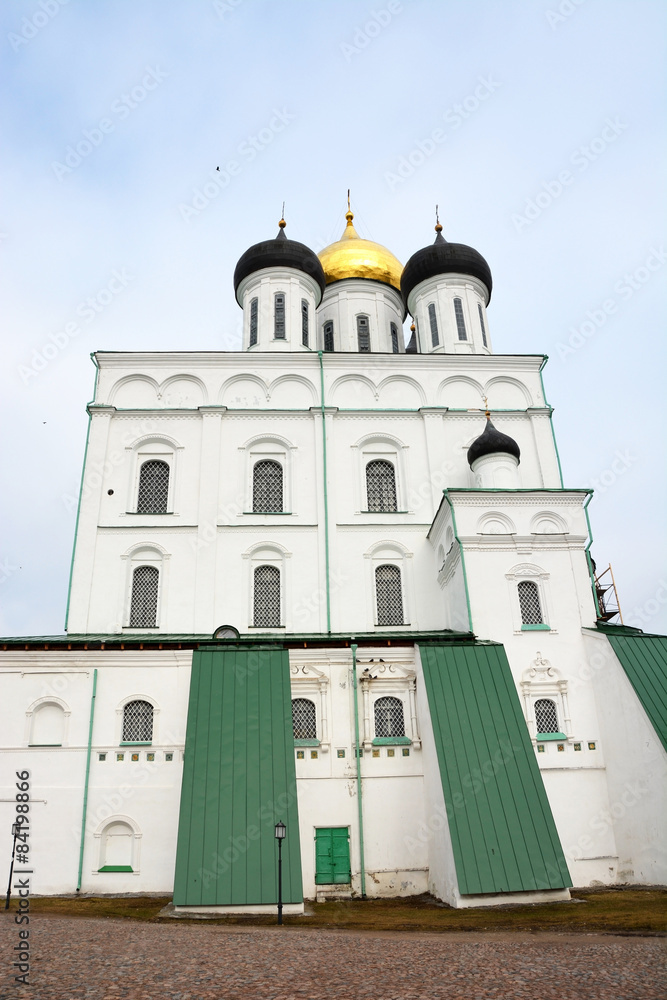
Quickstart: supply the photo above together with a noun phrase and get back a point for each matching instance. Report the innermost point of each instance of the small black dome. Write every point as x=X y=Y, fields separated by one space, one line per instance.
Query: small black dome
x=444 y=258
x=491 y=442
x=280 y=252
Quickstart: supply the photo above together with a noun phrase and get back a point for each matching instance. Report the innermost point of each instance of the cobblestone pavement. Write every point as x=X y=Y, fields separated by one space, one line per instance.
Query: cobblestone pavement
x=112 y=959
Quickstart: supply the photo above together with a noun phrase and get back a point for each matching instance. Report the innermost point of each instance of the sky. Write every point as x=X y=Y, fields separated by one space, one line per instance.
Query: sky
x=537 y=126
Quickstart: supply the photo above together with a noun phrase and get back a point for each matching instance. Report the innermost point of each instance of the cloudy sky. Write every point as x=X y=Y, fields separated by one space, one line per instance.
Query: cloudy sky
x=536 y=125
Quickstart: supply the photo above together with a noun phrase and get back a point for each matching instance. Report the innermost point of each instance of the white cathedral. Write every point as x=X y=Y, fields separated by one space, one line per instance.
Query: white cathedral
x=335 y=582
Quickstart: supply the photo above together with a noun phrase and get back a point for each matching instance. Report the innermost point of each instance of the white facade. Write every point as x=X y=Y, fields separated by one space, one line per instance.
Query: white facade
x=211 y=425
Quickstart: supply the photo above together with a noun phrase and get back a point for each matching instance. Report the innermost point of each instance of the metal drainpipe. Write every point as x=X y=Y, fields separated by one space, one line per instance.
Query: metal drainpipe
x=78 y=506
x=463 y=561
x=598 y=609
x=326 y=495
x=545 y=358
x=362 y=868
x=85 y=785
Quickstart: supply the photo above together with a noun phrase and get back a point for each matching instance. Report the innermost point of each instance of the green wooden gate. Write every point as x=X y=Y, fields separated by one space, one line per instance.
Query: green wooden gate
x=332 y=855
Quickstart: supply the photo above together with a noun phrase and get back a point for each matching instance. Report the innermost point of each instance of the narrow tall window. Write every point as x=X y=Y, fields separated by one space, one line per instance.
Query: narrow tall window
x=460 y=322
x=253 y=322
x=329 y=336
x=381 y=486
x=481 y=323
x=546 y=716
x=433 y=321
x=279 y=313
x=394 y=338
x=48 y=726
x=267 y=487
x=389 y=595
x=363 y=334
x=143 y=607
x=304 y=719
x=529 y=602
x=389 y=719
x=304 y=322
x=266 y=597
x=137 y=722
x=153 y=488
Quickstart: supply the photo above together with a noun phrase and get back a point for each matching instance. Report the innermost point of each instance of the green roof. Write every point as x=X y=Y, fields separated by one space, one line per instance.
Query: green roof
x=644 y=659
x=503 y=834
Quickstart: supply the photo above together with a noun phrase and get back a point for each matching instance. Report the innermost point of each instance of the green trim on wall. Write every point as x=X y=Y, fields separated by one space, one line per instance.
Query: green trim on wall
x=391 y=741
x=543 y=737
x=116 y=868
x=504 y=838
x=307 y=743
x=239 y=780
x=542 y=627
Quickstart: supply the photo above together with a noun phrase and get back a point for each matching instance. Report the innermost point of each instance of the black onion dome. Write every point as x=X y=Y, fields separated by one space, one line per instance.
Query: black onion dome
x=491 y=442
x=280 y=252
x=444 y=258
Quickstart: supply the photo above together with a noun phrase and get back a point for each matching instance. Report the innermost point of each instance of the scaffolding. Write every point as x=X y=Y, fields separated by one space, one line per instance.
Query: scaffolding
x=607 y=596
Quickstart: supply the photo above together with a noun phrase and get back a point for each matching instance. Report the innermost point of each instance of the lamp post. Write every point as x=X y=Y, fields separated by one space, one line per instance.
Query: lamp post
x=280 y=832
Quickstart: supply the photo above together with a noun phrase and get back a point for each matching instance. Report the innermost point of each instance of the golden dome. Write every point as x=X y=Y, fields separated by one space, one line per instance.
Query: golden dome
x=352 y=257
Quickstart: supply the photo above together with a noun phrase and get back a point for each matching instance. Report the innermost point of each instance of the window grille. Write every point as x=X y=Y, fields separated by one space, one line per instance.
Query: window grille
x=279 y=313
x=546 y=717
x=143 y=608
x=433 y=320
x=266 y=603
x=529 y=602
x=329 y=336
x=460 y=322
x=267 y=487
x=304 y=322
x=253 y=322
x=389 y=719
x=363 y=334
x=389 y=596
x=394 y=338
x=381 y=486
x=481 y=323
x=304 y=719
x=137 y=722
x=153 y=488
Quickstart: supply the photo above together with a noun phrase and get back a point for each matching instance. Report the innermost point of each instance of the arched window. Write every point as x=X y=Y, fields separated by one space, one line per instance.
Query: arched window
x=279 y=314
x=389 y=720
x=381 y=486
x=266 y=597
x=145 y=587
x=137 y=722
x=253 y=322
x=328 y=335
x=460 y=322
x=363 y=334
x=116 y=848
x=546 y=716
x=529 y=602
x=394 y=337
x=153 y=493
x=304 y=322
x=481 y=323
x=267 y=487
x=433 y=321
x=304 y=719
x=389 y=595
x=48 y=726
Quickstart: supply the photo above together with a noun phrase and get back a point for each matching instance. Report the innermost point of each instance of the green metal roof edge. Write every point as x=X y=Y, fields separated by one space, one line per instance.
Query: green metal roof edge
x=623 y=630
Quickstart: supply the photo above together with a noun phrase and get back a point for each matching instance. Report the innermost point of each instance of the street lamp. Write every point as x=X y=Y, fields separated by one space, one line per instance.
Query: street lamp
x=280 y=833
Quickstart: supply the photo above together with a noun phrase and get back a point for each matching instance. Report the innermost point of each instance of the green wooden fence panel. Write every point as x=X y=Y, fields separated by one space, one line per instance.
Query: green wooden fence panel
x=504 y=838
x=238 y=781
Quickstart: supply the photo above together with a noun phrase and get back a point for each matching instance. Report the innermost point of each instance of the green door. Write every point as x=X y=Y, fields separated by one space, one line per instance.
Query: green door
x=332 y=855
